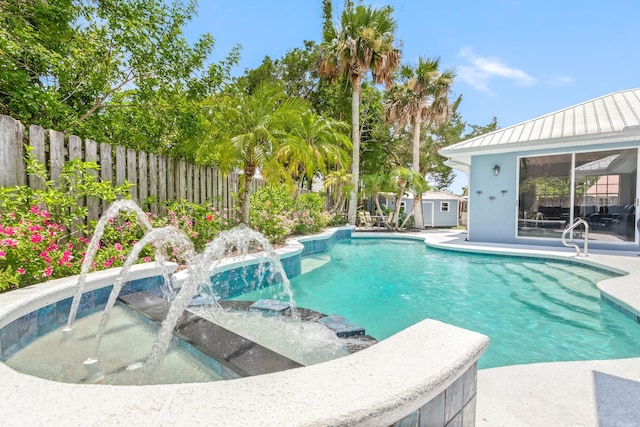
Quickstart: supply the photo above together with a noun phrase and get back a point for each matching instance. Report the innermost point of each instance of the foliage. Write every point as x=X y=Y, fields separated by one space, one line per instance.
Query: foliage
x=309 y=215
x=254 y=126
x=270 y=212
x=313 y=144
x=277 y=214
x=59 y=198
x=43 y=230
x=94 y=67
x=200 y=222
x=34 y=248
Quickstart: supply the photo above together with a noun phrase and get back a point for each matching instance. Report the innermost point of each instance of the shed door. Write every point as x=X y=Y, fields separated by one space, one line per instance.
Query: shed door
x=428 y=213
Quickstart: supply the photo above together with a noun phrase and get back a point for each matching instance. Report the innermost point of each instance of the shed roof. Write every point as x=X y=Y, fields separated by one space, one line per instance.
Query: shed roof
x=436 y=195
x=610 y=118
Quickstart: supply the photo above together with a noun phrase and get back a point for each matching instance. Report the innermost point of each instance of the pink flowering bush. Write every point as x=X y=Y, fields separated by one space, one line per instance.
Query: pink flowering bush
x=276 y=213
x=44 y=233
x=33 y=249
x=200 y=222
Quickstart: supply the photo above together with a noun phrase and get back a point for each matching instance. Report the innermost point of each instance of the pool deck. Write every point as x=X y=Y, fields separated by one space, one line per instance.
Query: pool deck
x=589 y=393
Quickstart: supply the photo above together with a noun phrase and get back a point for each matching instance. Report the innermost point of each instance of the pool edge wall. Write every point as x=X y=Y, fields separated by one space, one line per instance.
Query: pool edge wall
x=424 y=374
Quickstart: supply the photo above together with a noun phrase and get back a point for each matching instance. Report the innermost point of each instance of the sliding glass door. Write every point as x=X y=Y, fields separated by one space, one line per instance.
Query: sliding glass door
x=599 y=187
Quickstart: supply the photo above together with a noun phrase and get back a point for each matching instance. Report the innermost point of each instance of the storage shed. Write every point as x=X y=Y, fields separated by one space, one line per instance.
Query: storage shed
x=439 y=208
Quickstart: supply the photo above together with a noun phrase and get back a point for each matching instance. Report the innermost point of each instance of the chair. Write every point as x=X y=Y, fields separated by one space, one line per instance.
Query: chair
x=363 y=221
x=370 y=220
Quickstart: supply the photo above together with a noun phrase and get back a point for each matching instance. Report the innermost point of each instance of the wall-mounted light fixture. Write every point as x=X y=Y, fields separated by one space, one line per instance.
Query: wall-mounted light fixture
x=496 y=170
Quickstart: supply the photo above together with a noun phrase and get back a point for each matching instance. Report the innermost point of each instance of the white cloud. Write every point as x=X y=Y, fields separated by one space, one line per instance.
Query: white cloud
x=481 y=70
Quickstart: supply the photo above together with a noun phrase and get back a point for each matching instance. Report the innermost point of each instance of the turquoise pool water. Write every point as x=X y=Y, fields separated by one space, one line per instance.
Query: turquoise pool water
x=533 y=310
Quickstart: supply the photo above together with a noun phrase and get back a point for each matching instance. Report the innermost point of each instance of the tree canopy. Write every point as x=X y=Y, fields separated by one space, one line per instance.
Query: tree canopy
x=122 y=71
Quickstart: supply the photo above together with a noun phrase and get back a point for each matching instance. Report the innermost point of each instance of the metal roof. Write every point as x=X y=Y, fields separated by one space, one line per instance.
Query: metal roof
x=596 y=119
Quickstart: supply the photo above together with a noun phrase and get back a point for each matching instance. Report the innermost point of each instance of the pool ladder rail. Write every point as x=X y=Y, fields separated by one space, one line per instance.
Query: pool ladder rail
x=576 y=223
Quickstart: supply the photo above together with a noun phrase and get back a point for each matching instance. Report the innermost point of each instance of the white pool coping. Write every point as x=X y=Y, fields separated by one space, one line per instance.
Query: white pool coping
x=587 y=393
x=376 y=386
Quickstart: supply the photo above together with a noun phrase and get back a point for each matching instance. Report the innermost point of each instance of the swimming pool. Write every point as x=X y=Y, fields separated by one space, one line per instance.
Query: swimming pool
x=533 y=310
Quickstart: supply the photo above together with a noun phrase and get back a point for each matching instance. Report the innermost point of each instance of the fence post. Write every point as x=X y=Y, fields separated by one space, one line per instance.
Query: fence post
x=91 y=155
x=163 y=185
x=171 y=179
x=37 y=142
x=56 y=154
x=131 y=174
x=143 y=179
x=153 y=183
x=12 y=168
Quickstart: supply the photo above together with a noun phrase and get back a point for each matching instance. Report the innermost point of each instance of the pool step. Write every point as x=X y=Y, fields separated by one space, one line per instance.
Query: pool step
x=525 y=291
x=238 y=354
x=580 y=282
x=551 y=289
x=573 y=284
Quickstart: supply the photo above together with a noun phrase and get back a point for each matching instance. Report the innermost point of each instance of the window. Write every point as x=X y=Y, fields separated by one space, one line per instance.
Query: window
x=444 y=207
x=599 y=187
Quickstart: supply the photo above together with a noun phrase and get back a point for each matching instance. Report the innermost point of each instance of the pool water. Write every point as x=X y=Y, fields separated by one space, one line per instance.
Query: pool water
x=532 y=310
x=127 y=341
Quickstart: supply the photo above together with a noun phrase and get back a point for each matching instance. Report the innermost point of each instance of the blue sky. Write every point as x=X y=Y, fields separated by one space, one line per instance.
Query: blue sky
x=514 y=59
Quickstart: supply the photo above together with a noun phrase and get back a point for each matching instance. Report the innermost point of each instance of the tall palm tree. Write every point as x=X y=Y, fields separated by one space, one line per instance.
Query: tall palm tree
x=363 y=42
x=313 y=144
x=422 y=96
x=255 y=125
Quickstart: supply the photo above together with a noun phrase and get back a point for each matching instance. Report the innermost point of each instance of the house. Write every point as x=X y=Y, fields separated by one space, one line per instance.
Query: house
x=530 y=181
x=439 y=208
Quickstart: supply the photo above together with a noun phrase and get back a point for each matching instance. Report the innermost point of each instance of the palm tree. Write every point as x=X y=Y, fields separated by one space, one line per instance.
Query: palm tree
x=400 y=178
x=372 y=186
x=341 y=180
x=254 y=128
x=422 y=96
x=364 y=41
x=313 y=144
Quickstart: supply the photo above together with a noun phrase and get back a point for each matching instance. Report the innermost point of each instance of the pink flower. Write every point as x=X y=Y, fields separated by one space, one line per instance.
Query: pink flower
x=147 y=259
x=9 y=231
x=118 y=246
x=36 y=238
x=21 y=270
x=66 y=256
x=47 y=271
x=9 y=242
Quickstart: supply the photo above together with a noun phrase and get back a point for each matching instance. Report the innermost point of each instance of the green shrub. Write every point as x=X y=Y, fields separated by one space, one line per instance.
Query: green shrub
x=42 y=232
x=276 y=213
x=270 y=212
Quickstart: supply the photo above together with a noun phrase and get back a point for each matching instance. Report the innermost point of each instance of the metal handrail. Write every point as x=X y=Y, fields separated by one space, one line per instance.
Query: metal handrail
x=577 y=222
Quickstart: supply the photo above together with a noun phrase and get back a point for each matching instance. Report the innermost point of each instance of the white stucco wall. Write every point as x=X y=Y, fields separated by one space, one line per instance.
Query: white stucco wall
x=492 y=220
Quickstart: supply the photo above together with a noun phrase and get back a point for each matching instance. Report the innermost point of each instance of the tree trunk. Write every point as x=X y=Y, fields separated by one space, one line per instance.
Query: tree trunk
x=417 y=198
x=355 y=136
x=396 y=208
x=249 y=172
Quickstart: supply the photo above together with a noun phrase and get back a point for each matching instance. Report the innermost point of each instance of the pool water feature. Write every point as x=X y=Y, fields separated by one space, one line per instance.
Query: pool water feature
x=127 y=340
x=533 y=310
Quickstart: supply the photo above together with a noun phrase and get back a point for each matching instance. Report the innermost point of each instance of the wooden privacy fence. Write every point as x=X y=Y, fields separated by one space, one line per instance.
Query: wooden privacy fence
x=155 y=179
